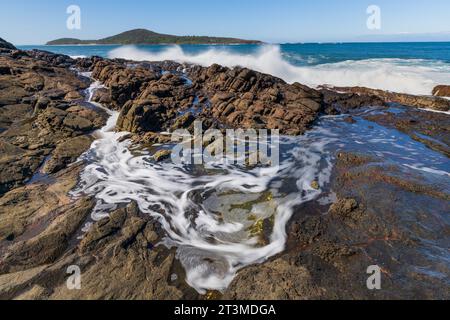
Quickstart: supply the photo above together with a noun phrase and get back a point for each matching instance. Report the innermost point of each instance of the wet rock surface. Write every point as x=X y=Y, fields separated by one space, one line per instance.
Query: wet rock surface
x=428 y=102
x=329 y=251
x=340 y=102
x=381 y=214
x=429 y=128
x=40 y=114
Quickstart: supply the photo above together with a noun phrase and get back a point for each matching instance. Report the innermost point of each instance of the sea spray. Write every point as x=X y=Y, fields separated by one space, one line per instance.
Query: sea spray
x=413 y=76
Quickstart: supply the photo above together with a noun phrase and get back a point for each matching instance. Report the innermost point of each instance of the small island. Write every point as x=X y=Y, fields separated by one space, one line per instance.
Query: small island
x=143 y=36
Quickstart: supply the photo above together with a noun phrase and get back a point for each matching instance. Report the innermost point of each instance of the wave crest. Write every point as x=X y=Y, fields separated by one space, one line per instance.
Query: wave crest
x=405 y=76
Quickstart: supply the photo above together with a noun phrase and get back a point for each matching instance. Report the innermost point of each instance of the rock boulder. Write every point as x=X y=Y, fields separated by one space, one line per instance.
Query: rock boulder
x=441 y=91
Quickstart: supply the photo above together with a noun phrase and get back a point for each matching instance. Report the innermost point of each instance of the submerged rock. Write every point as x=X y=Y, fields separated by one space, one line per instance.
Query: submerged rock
x=429 y=128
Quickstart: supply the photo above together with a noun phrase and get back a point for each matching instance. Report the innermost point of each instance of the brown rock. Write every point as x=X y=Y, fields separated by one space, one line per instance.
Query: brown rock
x=78 y=123
x=25 y=164
x=10 y=114
x=73 y=96
x=35 y=293
x=441 y=91
x=48 y=245
x=151 y=102
x=434 y=103
x=162 y=155
x=28 y=205
x=126 y=266
x=14 y=282
x=183 y=122
x=67 y=152
x=275 y=280
x=238 y=94
x=102 y=96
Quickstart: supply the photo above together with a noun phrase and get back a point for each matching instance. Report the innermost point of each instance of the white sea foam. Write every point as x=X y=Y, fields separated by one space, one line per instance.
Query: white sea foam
x=165 y=191
x=405 y=76
x=78 y=56
x=426 y=169
x=213 y=247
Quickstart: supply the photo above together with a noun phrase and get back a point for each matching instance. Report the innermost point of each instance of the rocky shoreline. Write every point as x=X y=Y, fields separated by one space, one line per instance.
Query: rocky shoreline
x=380 y=216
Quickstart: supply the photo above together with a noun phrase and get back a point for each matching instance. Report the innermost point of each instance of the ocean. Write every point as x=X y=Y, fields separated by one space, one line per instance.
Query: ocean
x=212 y=247
x=414 y=68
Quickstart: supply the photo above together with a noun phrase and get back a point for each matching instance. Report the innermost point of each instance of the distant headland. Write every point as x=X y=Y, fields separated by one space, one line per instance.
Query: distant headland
x=143 y=36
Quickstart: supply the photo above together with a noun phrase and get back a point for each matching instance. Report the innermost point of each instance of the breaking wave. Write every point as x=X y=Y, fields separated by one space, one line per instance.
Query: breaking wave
x=413 y=76
x=78 y=56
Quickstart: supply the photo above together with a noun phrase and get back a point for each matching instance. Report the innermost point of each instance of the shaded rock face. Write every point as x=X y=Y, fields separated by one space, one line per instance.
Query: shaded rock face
x=6 y=45
x=157 y=107
x=41 y=116
x=57 y=60
x=441 y=91
x=337 y=102
x=149 y=100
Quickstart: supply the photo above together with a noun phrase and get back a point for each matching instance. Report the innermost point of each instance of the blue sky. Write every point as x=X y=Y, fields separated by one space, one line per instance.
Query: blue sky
x=36 y=22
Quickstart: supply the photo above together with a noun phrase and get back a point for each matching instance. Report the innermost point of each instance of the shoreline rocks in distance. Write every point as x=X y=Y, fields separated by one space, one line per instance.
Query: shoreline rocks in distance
x=6 y=45
x=143 y=36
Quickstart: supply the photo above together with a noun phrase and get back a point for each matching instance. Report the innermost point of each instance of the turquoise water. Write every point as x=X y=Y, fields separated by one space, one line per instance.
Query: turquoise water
x=414 y=68
x=298 y=54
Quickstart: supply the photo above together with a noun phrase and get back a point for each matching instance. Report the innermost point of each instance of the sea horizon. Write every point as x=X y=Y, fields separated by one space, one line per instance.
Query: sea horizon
x=405 y=67
x=177 y=157
x=263 y=43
